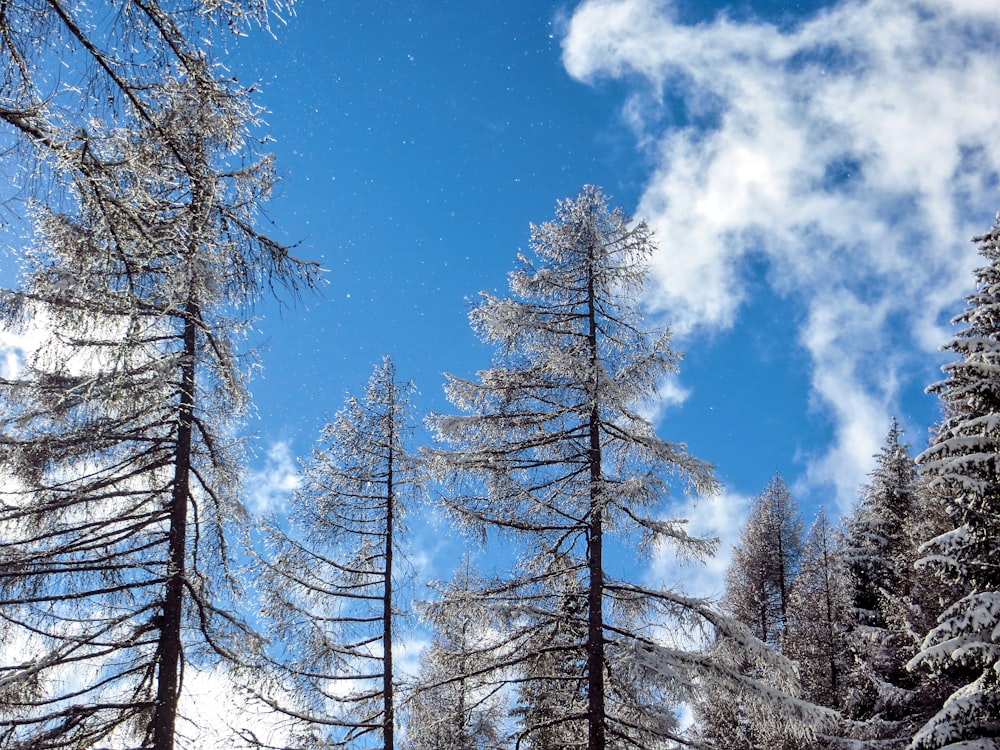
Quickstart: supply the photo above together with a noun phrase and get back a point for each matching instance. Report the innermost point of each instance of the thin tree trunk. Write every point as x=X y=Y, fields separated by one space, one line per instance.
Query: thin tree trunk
x=170 y=647
x=596 y=715
x=831 y=633
x=388 y=717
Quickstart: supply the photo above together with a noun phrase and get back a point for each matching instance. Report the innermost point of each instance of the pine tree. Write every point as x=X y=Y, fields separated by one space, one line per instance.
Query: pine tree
x=330 y=592
x=758 y=582
x=117 y=442
x=552 y=456
x=960 y=464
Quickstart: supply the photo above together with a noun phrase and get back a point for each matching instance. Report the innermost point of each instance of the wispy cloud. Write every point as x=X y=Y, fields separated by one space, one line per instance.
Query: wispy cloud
x=720 y=518
x=854 y=153
x=270 y=485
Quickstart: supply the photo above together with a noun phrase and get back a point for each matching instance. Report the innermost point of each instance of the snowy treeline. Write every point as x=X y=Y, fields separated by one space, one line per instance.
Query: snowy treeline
x=131 y=573
x=892 y=619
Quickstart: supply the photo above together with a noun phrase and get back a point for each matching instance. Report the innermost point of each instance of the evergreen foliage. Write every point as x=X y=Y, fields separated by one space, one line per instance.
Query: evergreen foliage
x=960 y=464
x=885 y=700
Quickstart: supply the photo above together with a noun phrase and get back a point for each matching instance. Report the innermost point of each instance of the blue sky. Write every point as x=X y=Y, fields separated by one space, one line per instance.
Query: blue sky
x=813 y=172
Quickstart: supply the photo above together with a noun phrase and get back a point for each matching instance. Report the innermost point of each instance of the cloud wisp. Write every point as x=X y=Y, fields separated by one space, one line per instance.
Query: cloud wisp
x=272 y=485
x=852 y=156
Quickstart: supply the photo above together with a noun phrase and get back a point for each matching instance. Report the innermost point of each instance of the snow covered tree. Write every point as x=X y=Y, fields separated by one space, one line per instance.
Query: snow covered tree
x=117 y=444
x=552 y=456
x=961 y=464
x=758 y=582
x=758 y=591
x=884 y=698
x=818 y=616
x=879 y=552
x=456 y=703
x=758 y=703
x=330 y=592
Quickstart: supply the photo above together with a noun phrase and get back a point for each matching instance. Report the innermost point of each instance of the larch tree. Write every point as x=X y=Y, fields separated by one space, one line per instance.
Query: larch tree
x=552 y=455
x=330 y=591
x=764 y=562
x=118 y=440
x=550 y=686
x=454 y=703
x=758 y=588
x=961 y=465
x=818 y=616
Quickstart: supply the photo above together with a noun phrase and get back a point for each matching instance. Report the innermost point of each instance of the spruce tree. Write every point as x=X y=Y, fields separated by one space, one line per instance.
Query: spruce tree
x=884 y=697
x=961 y=467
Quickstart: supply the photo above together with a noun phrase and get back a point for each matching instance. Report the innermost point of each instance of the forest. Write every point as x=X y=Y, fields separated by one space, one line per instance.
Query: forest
x=136 y=587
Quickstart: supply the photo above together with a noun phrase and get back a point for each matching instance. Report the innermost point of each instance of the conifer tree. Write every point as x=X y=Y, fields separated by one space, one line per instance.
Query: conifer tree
x=117 y=442
x=819 y=615
x=758 y=594
x=330 y=591
x=758 y=582
x=884 y=697
x=552 y=456
x=552 y=688
x=878 y=551
x=960 y=466
x=455 y=702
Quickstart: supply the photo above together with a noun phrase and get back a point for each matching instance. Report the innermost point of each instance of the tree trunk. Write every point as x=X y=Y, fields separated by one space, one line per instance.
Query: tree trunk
x=170 y=647
x=388 y=713
x=596 y=715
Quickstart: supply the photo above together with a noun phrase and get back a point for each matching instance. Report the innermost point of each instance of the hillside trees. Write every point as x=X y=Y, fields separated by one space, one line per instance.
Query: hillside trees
x=330 y=591
x=960 y=464
x=552 y=455
x=117 y=435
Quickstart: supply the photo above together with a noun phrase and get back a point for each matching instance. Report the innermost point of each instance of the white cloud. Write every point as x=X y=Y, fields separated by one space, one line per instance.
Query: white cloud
x=17 y=347
x=217 y=714
x=271 y=486
x=670 y=392
x=719 y=517
x=854 y=153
